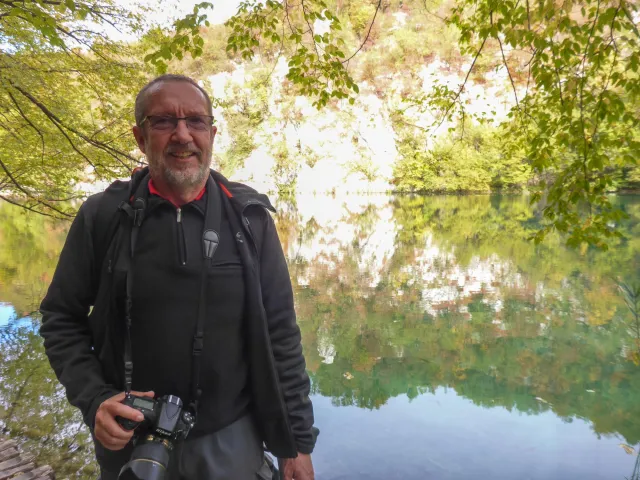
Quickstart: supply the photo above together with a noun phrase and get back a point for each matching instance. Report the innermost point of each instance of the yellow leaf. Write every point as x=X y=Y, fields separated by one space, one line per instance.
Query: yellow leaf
x=629 y=450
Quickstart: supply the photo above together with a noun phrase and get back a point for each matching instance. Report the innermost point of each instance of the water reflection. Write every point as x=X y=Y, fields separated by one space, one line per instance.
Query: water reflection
x=401 y=297
x=33 y=407
x=432 y=326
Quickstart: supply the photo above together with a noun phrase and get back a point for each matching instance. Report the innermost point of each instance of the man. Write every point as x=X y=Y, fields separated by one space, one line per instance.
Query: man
x=208 y=310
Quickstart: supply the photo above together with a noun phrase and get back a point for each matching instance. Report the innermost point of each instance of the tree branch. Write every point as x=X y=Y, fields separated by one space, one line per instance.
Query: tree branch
x=466 y=78
x=304 y=11
x=627 y=14
x=555 y=69
x=582 y=124
x=115 y=153
x=15 y=102
x=31 y=209
x=368 y=33
x=23 y=190
x=506 y=65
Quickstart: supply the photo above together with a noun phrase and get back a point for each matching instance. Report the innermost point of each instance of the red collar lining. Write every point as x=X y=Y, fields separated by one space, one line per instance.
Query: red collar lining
x=153 y=190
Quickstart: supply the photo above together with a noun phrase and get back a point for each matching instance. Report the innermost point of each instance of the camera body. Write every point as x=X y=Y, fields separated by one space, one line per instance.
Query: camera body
x=165 y=421
x=164 y=415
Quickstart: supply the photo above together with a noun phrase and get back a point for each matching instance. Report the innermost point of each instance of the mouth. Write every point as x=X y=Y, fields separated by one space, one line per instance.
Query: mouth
x=185 y=155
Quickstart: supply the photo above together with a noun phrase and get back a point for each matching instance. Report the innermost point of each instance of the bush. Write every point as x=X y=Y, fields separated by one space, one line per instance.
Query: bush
x=468 y=160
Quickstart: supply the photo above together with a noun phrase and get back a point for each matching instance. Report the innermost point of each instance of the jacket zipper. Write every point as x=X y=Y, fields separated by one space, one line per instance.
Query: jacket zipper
x=247 y=227
x=182 y=254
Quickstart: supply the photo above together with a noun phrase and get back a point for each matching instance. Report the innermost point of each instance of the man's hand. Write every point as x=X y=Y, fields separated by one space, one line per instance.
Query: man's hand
x=299 y=468
x=109 y=432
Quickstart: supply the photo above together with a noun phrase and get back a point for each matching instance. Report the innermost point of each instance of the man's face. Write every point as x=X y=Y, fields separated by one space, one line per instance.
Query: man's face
x=181 y=157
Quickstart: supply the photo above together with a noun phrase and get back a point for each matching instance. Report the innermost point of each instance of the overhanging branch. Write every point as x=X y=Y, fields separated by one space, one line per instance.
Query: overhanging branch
x=27 y=193
x=368 y=33
x=113 y=152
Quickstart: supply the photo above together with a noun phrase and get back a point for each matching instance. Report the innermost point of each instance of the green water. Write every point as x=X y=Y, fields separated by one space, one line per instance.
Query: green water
x=440 y=342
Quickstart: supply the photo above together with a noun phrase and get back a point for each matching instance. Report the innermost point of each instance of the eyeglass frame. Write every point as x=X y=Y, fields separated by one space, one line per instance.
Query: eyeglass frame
x=176 y=120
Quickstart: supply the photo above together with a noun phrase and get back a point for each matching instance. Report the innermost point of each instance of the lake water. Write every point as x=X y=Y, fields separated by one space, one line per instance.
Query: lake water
x=441 y=343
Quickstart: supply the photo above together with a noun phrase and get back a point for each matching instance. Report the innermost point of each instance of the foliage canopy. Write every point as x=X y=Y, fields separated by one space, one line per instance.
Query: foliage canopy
x=572 y=67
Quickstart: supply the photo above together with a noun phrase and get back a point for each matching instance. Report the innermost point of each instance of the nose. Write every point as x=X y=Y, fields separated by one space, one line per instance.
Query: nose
x=181 y=134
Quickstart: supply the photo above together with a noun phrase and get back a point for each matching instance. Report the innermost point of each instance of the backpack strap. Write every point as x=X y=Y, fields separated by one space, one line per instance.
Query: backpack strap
x=135 y=216
x=108 y=220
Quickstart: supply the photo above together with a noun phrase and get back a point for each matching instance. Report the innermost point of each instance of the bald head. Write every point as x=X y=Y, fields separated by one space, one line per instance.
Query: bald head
x=146 y=91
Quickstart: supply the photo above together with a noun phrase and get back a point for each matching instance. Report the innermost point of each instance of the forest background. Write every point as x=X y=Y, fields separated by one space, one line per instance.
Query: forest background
x=429 y=96
x=535 y=98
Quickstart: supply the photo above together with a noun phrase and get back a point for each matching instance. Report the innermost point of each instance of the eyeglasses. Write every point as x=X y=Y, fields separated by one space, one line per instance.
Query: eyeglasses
x=165 y=123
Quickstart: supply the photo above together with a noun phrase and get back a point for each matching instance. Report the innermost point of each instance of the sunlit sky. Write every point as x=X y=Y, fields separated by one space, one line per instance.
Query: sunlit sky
x=169 y=10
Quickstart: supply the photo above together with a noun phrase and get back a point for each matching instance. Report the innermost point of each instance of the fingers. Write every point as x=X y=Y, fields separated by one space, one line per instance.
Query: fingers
x=143 y=394
x=299 y=468
x=287 y=468
x=107 y=430
x=117 y=409
x=112 y=442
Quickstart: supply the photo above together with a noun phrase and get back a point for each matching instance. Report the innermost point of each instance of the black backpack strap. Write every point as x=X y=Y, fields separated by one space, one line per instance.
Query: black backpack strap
x=135 y=216
x=107 y=220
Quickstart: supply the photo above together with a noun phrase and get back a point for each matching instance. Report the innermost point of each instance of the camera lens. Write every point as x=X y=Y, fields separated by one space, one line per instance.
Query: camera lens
x=149 y=460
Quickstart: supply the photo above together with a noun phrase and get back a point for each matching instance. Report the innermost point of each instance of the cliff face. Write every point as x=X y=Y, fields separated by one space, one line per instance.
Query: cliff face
x=322 y=151
x=342 y=147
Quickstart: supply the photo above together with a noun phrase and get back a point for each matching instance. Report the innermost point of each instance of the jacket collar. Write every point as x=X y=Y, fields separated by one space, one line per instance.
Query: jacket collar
x=241 y=195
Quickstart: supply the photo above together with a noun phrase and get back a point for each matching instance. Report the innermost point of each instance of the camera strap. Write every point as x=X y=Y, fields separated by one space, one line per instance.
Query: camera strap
x=210 y=242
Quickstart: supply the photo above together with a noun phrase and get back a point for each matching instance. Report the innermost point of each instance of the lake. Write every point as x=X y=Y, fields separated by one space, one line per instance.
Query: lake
x=441 y=343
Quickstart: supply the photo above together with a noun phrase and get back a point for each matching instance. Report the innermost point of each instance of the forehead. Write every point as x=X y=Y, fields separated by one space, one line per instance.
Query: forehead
x=175 y=98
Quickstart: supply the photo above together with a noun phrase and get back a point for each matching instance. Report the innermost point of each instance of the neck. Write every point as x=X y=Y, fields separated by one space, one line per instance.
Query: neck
x=177 y=196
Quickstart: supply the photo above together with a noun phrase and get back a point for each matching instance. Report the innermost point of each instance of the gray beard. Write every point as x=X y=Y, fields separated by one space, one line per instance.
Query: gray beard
x=186 y=179
x=181 y=180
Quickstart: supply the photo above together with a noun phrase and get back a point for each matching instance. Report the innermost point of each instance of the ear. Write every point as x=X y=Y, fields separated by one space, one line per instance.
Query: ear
x=138 y=133
x=214 y=130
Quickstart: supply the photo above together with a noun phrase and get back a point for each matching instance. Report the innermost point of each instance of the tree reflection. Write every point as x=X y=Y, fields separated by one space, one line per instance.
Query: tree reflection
x=464 y=300
x=28 y=257
x=34 y=410
x=395 y=296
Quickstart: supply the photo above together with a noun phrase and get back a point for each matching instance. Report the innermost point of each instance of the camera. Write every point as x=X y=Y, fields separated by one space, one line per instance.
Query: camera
x=165 y=422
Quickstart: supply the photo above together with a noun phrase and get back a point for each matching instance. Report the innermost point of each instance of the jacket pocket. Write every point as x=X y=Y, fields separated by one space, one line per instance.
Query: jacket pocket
x=106 y=329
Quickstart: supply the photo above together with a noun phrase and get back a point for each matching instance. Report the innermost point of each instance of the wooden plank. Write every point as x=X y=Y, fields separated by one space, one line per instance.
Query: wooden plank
x=9 y=453
x=22 y=468
x=41 y=473
x=44 y=472
x=16 y=462
x=7 y=444
x=17 y=466
x=25 y=476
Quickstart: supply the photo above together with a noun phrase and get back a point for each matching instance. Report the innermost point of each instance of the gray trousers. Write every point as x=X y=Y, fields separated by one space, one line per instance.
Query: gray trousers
x=233 y=453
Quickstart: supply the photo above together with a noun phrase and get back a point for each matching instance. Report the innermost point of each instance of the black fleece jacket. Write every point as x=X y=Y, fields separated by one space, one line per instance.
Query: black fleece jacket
x=82 y=330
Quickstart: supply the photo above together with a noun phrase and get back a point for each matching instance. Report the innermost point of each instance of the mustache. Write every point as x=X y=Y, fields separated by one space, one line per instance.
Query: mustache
x=183 y=148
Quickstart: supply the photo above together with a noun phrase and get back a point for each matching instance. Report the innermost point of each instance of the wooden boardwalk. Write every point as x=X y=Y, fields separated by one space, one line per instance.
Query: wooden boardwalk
x=14 y=465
